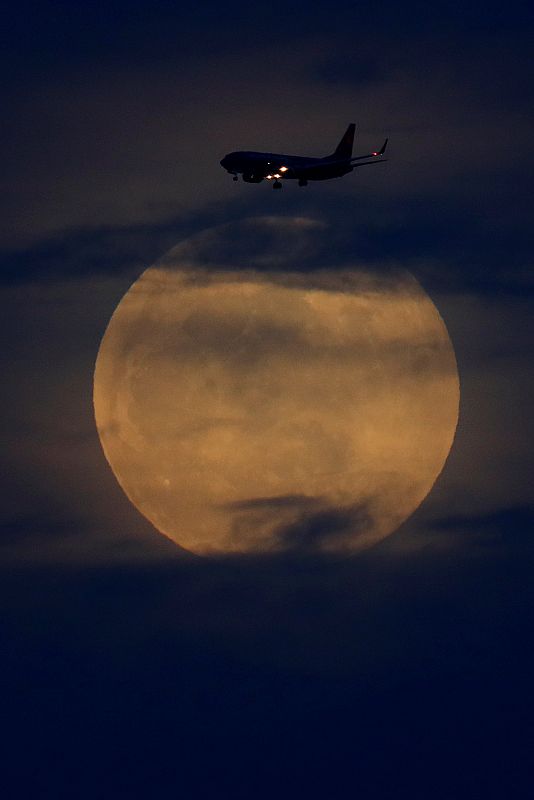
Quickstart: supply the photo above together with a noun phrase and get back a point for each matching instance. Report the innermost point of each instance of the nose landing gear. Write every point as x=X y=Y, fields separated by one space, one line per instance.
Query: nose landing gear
x=277 y=185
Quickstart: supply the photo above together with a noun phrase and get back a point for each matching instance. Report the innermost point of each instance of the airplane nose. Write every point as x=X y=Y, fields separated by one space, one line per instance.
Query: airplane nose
x=224 y=161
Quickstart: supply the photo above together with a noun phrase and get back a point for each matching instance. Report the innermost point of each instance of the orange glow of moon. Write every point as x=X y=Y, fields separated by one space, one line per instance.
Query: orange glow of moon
x=264 y=411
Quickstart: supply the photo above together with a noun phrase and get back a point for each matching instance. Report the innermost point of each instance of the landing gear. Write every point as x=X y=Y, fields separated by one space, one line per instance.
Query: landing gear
x=303 y=182
x=234 y=178
x=277 y=185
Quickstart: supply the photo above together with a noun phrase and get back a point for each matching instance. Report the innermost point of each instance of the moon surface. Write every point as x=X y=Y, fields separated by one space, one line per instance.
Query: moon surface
x=268 y=410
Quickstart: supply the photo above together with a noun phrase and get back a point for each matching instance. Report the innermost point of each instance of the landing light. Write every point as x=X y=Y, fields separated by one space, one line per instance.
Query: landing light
x=283 y=169
x=269 y=177
x=276 y=175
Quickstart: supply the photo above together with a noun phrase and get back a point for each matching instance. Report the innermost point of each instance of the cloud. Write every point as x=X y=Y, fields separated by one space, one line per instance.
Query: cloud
x=269 y=242
x=302 y=673
x=110 y=164
x=445 y=244
x=326 y=529
x=52 y=330
x=300 y=524
x=119 y=668
x=113 y=143
x=503 y=526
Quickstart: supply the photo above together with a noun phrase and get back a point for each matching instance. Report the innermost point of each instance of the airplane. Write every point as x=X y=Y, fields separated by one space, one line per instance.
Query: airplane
x=256 y=167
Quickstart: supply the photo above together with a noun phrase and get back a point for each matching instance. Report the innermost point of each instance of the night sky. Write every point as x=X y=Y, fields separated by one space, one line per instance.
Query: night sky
x=130 y=668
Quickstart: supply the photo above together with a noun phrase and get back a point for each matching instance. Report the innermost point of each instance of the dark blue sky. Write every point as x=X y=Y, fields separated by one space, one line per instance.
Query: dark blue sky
x=129 y=670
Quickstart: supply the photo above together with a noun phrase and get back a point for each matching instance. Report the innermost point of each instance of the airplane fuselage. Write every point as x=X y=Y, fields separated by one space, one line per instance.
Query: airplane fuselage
x=256 y=166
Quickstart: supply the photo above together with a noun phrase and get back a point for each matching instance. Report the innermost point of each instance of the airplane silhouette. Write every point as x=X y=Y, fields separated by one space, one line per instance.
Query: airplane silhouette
x=256 y=167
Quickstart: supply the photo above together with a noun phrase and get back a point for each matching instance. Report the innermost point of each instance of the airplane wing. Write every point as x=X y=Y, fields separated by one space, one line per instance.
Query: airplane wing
x=372 y=155
x=364 y=163
x=318 y=162
x=313 y=165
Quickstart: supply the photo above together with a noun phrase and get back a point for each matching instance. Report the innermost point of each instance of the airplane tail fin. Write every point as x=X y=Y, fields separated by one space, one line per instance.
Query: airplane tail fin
x=344 y=148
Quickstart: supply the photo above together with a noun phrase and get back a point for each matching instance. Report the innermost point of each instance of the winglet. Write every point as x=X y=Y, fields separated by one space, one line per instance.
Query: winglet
x=379 y=152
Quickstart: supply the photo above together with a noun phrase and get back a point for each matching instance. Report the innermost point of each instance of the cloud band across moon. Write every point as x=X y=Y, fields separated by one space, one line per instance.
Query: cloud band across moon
x=260 y=409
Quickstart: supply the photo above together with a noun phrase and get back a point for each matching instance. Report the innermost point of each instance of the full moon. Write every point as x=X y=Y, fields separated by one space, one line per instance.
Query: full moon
x=267 y=410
